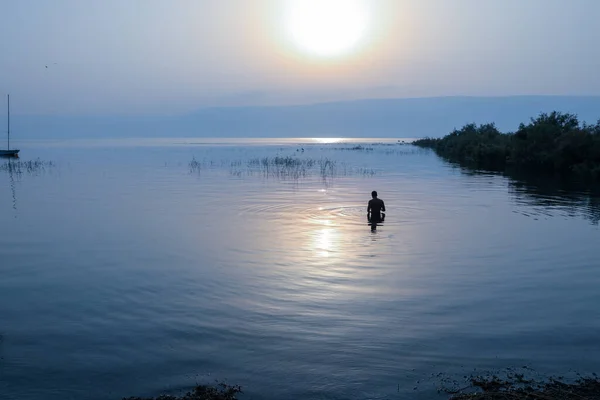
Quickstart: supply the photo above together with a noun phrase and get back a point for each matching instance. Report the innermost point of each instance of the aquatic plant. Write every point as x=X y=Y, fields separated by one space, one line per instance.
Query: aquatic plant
x=18 y=167
x=288 y=167
x=195 y=165
x=199 y=165
x=366 y=171
x=354 y=148
x=284 y=167
x=327 y=167
x=287 y=162
x=404 y=151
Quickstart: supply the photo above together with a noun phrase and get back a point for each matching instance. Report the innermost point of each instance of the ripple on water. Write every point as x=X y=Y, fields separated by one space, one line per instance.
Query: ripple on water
x=129 y=277
x=350 y=214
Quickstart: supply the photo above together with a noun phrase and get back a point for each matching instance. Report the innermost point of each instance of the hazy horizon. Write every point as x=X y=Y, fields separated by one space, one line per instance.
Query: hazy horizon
x=309 y=103
x=385 y=118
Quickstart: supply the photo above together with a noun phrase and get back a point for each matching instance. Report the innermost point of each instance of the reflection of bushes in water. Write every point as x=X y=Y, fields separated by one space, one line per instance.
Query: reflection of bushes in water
x=517 y=384
x=221 y=391
x=548 y=193
x=30 y=167
x=552 y=143
x=567 y=195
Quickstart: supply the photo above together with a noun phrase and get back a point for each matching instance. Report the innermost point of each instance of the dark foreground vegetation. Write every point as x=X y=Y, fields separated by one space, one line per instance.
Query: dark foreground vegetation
x=554 y=143
x=512 y=385
x=517 y=387
x=221 y=391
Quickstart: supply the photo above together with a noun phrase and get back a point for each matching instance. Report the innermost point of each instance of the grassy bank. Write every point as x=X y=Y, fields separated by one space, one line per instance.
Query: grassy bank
x=552 y=143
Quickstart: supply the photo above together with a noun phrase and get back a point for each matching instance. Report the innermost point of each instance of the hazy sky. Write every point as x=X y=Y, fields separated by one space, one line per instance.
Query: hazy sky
x=174 y=56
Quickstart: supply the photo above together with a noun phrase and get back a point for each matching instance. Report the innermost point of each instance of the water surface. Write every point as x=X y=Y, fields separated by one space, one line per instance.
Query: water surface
x=126 y=270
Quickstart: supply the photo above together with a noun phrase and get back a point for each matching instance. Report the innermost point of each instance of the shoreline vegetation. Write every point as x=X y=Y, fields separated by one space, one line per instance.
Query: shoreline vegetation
x=220 y=391
x=554 y=143
x=516 y=386
x=513 y=385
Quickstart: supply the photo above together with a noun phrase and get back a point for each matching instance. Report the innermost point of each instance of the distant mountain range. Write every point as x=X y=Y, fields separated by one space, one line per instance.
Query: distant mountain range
x=402 y=118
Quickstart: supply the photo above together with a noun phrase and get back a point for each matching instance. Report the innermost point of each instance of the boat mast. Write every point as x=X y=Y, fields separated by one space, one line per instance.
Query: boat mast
x=8 y=145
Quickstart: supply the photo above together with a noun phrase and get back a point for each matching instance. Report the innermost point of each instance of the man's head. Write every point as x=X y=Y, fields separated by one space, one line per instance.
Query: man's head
x=374 y=194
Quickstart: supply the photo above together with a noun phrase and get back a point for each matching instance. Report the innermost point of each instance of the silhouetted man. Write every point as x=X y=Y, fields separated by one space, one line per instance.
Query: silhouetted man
x=375 y=208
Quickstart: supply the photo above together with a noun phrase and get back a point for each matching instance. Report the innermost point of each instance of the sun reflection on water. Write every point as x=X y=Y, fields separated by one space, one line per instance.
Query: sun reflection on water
x=324 y=241
x=327 y=140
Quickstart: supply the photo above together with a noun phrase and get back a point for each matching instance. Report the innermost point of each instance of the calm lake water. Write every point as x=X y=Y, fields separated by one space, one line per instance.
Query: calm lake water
x=139 y=267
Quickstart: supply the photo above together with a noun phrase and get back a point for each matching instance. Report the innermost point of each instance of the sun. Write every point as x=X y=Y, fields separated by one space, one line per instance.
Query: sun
x=327 y=28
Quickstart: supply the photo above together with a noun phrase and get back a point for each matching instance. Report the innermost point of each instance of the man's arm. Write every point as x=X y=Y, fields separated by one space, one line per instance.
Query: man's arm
x=382 y=206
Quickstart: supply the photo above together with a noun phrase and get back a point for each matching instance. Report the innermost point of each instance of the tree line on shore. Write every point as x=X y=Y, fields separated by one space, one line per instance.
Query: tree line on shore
x=553 y=143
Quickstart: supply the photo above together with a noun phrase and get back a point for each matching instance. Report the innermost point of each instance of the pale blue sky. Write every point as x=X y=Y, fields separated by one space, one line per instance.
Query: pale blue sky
x=149 y=56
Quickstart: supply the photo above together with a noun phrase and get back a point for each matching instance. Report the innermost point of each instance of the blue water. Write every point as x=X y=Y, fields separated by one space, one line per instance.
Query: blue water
x=125 y=270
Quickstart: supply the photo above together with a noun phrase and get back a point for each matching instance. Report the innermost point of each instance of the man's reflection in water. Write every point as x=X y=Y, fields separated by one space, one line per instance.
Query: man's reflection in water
x=374 y=224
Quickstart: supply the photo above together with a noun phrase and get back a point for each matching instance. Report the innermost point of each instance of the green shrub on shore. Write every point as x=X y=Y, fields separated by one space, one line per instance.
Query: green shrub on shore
x=555 y=143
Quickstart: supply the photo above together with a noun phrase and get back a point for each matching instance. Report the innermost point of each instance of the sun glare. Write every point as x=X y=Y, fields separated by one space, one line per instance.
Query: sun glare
x=327 y=28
